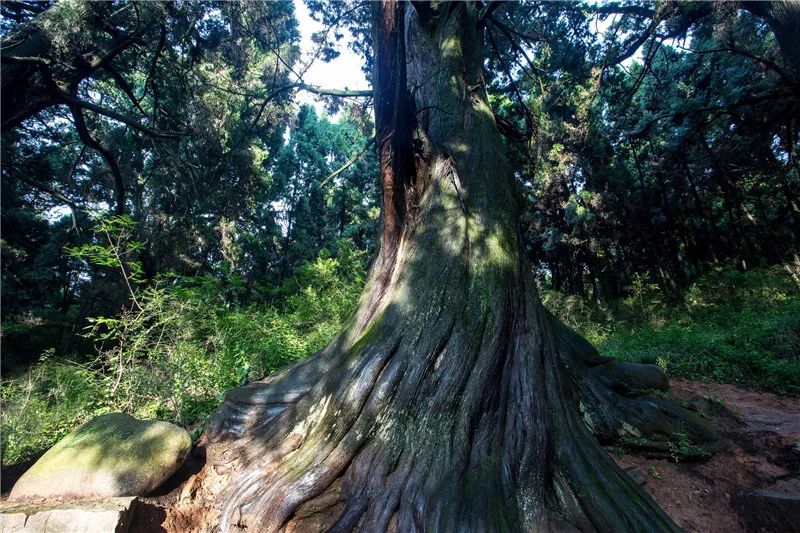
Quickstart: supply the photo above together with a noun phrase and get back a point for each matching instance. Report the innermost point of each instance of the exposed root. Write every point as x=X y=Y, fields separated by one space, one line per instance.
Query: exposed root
x=629 y=405
x=299 y=453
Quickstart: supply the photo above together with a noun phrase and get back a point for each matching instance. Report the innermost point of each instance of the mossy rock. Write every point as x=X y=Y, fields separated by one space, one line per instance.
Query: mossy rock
x=111 y=455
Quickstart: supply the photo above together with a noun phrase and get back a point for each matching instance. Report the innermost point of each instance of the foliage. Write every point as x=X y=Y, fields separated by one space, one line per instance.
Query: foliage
x=48 y=296
x=731 y=327
x=319 y=206
x=681 y=159
x=175 y=352
x=646 y=181
x=655 y=474
x=682 y=449
x=42 y=405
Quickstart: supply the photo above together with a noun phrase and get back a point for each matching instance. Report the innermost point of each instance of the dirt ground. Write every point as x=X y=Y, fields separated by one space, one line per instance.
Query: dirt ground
x=711 y=496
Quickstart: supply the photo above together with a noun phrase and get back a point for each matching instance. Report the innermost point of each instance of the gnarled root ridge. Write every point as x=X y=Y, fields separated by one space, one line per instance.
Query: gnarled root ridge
x=628 y=405
x=392 y=443
x=435 y=433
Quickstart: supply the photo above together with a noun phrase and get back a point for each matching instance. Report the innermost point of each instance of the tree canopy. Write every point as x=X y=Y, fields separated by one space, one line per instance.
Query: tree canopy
x=156 y=157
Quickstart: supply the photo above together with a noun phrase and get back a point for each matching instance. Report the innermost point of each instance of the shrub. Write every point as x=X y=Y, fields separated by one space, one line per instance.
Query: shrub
x=44 y=404
x=731 y=327
x=177 y=349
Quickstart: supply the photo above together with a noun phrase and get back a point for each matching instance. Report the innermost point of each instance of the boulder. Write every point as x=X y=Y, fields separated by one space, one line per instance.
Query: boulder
x=111 y=455
x=111 y=515
x=771 y=510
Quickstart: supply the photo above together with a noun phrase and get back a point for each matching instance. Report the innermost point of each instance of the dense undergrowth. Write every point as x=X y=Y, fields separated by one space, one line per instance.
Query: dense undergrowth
x=729 y=327
x=174 y=354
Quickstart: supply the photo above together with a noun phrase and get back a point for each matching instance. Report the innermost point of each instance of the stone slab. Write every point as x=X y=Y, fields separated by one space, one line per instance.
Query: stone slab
x=108 y=515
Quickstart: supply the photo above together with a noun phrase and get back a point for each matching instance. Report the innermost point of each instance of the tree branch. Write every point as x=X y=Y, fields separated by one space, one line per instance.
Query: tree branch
x=344 y=93
x=86 y=137
x=49 y=190
x=725 y=109
x=17 y=60
x=81 y=104
x=508 y=30
x=153 y=64
x=487 y=10
x=733 y=49
x=124 y=86
x=637 y=43
x=509 y=131
x=505 y=127
x=616 y=9
x=348 y=163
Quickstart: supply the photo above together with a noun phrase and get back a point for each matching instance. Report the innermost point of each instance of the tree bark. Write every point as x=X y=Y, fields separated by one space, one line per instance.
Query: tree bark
x=453 y=401
x=783 y=18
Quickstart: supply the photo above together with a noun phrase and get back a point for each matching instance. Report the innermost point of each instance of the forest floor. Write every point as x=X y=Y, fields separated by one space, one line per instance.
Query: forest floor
x=704 y=496
x=764 y=453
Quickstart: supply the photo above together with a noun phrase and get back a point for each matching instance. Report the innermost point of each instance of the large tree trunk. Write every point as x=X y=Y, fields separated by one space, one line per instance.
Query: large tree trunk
x=453 y=401
x=783 y=18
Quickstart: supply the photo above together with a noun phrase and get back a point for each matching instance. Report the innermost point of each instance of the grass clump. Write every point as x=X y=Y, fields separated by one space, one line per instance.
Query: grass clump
x=655 y=474
x=730 y=327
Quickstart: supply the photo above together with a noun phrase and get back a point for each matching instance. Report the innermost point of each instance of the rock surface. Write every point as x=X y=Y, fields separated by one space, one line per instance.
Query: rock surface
x=636 y=474
x=112 y=515
x=111 y=455
x=771 y=510
x=721 y=495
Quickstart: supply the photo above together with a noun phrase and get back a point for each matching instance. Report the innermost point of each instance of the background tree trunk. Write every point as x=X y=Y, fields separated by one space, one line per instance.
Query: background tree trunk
x=453 y=401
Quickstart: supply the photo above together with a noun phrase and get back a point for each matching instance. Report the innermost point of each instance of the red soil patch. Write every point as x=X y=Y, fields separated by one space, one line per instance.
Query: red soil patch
x=704 y=496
